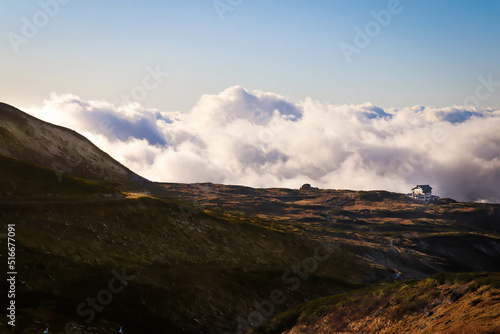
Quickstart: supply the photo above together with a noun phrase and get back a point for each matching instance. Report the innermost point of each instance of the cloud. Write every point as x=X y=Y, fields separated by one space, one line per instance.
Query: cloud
x=116 y=123
x=261 y=139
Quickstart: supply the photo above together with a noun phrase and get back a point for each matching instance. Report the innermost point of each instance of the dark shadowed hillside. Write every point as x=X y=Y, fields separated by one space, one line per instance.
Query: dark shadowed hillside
x=20 y=180
x=193 y=271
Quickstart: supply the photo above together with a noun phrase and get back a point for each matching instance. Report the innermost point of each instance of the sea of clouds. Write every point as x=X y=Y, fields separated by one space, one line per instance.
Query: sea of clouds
x=261 y=139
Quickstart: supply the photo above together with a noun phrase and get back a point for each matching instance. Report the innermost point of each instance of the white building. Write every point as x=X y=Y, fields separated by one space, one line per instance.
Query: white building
x=424 y=193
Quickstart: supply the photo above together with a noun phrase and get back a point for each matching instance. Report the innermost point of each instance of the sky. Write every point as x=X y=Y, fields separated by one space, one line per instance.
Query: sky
x=340 y=94
x=430 y=52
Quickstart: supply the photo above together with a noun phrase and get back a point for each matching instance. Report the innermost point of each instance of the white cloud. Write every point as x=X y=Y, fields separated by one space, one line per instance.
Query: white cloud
x=260 y=139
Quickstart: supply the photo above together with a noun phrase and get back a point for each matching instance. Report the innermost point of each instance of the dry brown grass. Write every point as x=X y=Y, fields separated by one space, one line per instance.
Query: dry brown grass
x=442 y=304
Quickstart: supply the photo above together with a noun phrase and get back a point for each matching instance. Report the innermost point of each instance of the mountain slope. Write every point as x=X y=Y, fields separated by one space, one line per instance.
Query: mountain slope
x=203 y=268
x=20 y=180
x=443 y=303
x=194 y=272
x=410 y=238
x=26 y=138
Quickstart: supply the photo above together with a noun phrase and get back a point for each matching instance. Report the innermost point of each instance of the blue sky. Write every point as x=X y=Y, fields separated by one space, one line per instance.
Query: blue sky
x=431 y=53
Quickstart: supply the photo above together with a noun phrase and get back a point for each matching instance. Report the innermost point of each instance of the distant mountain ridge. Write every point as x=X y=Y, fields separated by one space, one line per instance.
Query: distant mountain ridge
x=29 y=139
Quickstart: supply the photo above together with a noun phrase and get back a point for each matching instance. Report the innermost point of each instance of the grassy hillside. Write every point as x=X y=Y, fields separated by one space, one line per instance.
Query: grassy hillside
x=23 y=180
x=205 y=257
x=443 y=303
x=193 y=271
x=411 y=238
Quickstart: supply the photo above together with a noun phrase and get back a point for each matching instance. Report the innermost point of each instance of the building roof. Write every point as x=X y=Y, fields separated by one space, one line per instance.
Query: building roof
x=425 y=188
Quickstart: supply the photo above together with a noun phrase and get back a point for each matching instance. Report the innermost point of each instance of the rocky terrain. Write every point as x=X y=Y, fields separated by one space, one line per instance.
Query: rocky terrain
x=443 y=303
x=410 y=238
